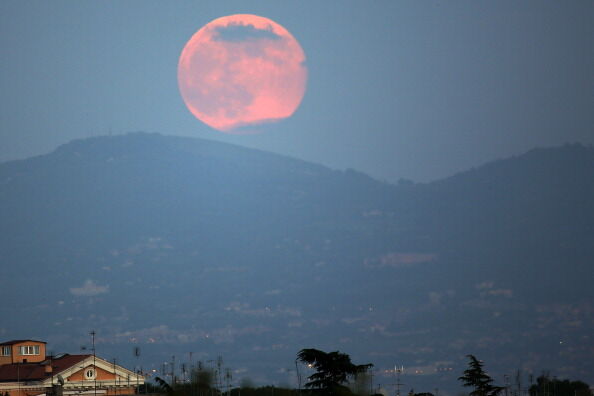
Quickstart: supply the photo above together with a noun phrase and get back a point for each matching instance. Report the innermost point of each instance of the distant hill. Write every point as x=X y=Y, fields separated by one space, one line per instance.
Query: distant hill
x=183 y=244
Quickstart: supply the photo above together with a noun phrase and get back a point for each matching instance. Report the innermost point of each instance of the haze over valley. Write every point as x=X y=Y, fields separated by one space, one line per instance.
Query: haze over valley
x=182 y=245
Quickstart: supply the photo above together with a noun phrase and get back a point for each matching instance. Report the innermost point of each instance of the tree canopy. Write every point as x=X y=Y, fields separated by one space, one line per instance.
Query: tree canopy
x=333 y=369
x=476 y=377
x=545 y=385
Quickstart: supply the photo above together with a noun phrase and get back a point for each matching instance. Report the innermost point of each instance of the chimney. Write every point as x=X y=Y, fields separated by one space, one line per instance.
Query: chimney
x=48 y=369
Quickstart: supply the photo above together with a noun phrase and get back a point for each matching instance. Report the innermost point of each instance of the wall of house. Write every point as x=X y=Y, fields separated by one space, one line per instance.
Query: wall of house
x=100 y=375
x=121 y=391
x=24 y=392
x=5 y=360
x=110 y=392
x=105 y=379
x=16 y=356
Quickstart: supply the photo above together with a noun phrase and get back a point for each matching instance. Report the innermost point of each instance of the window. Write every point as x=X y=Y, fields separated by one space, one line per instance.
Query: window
x=5 y=351
x=90 y=374
x=29 y=350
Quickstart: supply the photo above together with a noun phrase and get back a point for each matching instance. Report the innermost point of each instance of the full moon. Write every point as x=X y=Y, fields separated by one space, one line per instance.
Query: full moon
x=241 y=70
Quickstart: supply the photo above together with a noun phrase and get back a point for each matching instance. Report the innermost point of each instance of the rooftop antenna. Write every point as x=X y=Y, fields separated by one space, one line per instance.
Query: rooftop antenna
x=115 y=374
x=173 y=369
x=219 y=374
x=137 y=355
x=50 y=359
x=92 y=333
x=398 y=371
x=228 y=378
x=298 y=377
x=184 y=368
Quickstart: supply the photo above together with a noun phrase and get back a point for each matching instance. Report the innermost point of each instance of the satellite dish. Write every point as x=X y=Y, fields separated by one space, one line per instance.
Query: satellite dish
x=60 y=380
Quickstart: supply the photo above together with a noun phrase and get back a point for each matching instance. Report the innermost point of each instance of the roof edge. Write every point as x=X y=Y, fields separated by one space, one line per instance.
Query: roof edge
x=12 y=342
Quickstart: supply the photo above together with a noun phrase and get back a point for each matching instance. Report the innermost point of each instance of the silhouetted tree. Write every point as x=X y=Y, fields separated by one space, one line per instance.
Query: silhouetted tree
x=202 y=379
x=200 y=384
x=476 y=377
x=547 y=386
x=361 y=383
x=333 y=369
x=246 y=383
x=163 y=385
x=262 y=391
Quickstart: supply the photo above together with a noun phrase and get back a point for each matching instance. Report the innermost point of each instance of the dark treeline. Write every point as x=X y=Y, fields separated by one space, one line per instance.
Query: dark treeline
x=481 y=384
x=336 y=375
x=551 y=386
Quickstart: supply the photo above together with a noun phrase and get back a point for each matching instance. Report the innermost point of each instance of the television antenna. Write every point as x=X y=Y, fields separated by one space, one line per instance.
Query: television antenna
x=137 y=355
x=173 y=369
x=397 y=372
x=93 y=333
x=228 y=379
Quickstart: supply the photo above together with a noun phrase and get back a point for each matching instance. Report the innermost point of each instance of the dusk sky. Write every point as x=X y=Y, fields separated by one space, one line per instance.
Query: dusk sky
x=417 y=90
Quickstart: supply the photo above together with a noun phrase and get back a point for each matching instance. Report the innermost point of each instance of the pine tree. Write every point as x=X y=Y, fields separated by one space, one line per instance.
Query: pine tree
x=333 y=369
x=476 y=377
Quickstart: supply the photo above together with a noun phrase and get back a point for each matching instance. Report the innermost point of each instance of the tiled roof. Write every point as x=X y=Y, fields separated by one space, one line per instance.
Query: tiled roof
x=19 y=341
x=36 y=371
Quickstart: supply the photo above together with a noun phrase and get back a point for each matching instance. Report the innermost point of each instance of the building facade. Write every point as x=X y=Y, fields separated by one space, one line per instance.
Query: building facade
x=25 y=370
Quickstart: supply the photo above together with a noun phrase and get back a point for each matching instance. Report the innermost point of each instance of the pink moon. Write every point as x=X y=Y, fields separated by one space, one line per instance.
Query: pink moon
x=242 y=70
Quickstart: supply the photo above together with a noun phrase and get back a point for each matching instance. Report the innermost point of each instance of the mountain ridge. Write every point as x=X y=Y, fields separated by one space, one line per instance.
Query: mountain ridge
x=181 y=242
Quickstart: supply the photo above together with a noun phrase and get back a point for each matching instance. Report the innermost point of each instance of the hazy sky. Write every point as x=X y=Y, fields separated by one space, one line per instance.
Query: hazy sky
x=409 y=89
